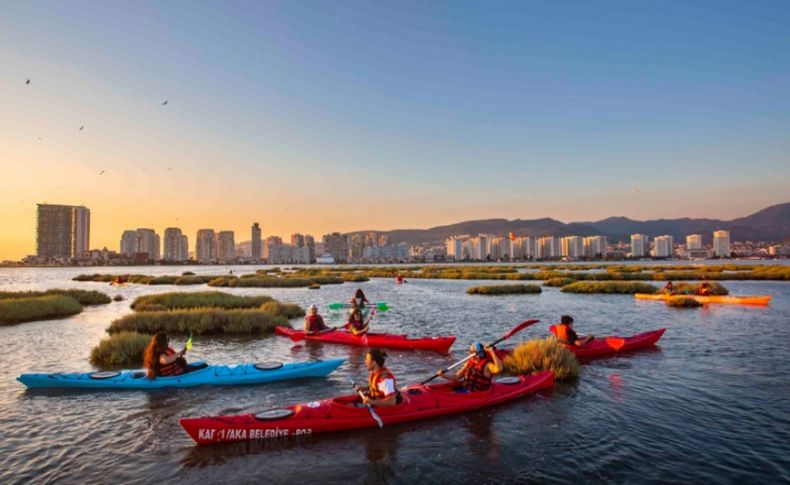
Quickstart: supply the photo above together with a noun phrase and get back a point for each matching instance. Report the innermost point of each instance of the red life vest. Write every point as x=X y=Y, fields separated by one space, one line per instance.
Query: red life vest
x=377 y=378
x=475 y=378
x=172 y=369
x=315 y=323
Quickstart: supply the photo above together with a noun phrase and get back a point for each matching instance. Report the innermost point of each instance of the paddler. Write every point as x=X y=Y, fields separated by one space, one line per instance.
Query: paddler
x=478 y=371
x=357 y=323
x=160 y=360
x=359 y=300
x=704 y=289
x=313 y=322
x=567 y=335
x=382 y=389
x=669 y=288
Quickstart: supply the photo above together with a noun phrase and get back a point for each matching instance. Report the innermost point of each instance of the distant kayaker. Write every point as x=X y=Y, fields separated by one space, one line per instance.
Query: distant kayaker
x=704 y=289
x=399 y=279
x=357 y=323
x=669 y=288
x=359 y=299
x=382 y=389
x=478 y=371
x=313 y=322
x=160 y=360
x=567 y=335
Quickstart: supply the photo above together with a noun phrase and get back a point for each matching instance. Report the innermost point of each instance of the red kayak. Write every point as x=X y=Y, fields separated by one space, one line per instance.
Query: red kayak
x=384 y=340
x=605 y=346
x=340 y=413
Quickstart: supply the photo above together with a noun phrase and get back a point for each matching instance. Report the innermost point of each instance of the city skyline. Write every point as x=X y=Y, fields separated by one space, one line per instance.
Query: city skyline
x=379 y=117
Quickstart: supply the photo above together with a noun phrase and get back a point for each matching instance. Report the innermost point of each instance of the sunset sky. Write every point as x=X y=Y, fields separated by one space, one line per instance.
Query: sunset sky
x=319 y=116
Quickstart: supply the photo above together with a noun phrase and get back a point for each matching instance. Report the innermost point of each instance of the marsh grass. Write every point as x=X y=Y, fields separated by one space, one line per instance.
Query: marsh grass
x=693 y=288
x=201 y=321
x=539 y=355
x=202 y=299
x=619 y=287
x=503 y=289
x=84 y=297
x=683 y=302
x=18 y=310
x=120 y=349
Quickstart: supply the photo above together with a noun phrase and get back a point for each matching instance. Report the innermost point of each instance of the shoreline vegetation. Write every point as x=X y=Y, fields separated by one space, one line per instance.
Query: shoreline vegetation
x=552 y=275
x=504 y=290
x=207 y=313
x=30 y=306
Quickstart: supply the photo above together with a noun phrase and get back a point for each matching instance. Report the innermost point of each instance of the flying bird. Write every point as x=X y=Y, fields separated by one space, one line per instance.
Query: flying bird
x=165 y=102
x=100 y=173
x=82 y=127
x=169 y=169
x=27 y=82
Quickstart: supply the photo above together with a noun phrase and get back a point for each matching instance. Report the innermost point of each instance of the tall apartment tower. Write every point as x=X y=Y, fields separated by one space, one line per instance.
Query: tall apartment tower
x=206 y=246
x=309 y=241
x=721 y=244
x=256 y=244
x=226 y=247
x=337 y=245
x=62 y=231
x=572 y=247
x=176 y=245
x=694 y=241
x=663 y=246
x=128 y=243
x=148 y=242
x=638 y=245
x=595 y=246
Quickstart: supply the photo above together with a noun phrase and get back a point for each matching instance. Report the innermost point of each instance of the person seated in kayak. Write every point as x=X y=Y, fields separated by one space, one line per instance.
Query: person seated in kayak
x=669 y=288
x=359 y=300
x=478 y=371
x=382 y=389
x=357 y=323
x=704 y=289
x=160 y=360
x=313 y=322
x=567 y=335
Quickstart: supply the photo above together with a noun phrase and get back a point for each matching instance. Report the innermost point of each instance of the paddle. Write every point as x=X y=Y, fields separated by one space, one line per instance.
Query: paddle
x=188 y=345
x=297 y=336
x=521 y=326
x=379 y=305
x=375 y=416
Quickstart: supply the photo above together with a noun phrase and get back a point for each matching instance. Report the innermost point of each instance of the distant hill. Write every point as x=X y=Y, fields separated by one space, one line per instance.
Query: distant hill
x=769 y=224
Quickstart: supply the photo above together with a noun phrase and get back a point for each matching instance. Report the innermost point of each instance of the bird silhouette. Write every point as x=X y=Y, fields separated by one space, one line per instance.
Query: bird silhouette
x=27 y=82
x=165 y=102
x=101 y=172
x=170 y=169
x=82 y=127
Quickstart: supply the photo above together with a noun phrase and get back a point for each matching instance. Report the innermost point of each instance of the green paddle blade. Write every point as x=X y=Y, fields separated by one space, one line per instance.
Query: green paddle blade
x=338 y=306
x=382 y=307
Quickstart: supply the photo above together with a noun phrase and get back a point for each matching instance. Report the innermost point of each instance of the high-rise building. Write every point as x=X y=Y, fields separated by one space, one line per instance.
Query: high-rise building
x=206 y=246
x=528 y=247
x=572 y=247
x=638 y=245
x=128 y=243
x=548 y=247
x=226 y=247
x=297 y=240
x=694 y=241
x=595 y=247
x=256 y=253
x=663 y=246
x=336 y=244
x=356 y=244
x=309 y=242
x=455 y=247
x=62 y=231
x=147 y=242
x=721 y=244
x=176 y=247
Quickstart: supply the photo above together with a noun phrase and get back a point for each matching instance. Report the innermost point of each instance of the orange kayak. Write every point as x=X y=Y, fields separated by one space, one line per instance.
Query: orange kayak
x=738 y=300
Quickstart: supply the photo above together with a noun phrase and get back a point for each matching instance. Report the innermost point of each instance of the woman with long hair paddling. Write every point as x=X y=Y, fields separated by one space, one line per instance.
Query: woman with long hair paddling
x=160 y=360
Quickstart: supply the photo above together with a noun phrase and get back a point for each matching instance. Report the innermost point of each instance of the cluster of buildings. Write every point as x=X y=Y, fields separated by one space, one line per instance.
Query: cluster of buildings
x=63 y=237
x=486 y=247
x=664 y=246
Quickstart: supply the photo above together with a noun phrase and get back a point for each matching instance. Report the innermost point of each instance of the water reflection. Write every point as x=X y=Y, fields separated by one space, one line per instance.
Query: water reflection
x=482 y=440
x=381 y=449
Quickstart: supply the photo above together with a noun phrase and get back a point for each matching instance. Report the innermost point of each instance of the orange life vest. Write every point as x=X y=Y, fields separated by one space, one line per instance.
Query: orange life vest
x=561 y=331
x=378 y=377
x=172 y=369
x=475 y=378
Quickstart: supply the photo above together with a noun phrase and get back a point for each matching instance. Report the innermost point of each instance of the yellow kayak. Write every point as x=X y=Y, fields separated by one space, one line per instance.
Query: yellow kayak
x=740 y=300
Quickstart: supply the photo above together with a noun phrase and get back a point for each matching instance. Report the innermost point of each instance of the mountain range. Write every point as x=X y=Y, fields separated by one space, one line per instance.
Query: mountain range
x=769 y=224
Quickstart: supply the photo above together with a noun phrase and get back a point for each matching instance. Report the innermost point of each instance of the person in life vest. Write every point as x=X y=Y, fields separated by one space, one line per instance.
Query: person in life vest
x=160 y=360
x=567 y=335
x=669 y=288
x=357 y=323
x=704 y=289
x=382 y=390
x=313 y=322
x=478 y=371
x=359 y=299
x=399 y=279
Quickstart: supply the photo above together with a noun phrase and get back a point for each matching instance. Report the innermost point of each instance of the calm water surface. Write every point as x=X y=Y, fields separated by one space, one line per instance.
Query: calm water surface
x=711 y=404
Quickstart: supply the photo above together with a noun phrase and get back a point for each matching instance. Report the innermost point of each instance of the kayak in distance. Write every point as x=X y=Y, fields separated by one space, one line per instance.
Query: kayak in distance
x=340 y=413
x=210 y=375
x=440 y=344
x=606 y=346
x=737 y=300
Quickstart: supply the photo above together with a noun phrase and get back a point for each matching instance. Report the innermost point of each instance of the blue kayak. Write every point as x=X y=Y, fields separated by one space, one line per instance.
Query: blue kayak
x=207 y=375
